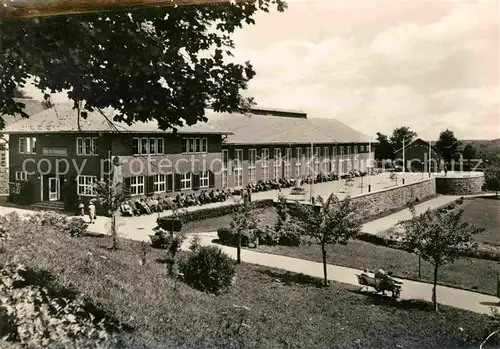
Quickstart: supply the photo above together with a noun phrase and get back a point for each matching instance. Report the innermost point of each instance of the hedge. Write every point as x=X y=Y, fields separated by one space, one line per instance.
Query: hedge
x=215 y=212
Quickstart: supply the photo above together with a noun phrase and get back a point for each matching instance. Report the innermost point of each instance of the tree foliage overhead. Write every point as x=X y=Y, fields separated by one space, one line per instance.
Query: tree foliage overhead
x=167 y=64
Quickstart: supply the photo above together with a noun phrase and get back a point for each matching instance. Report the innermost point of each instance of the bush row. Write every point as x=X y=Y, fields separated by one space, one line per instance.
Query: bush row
x=73 y=226
x=289 y=234
x=215 y=212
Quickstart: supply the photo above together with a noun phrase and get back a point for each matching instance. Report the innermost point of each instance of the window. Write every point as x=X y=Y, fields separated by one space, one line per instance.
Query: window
x=251 y=175
x=225 y=159
x=152 y=146
x=27 y=145
x=144 y=145
x=277 y=163
x=147 y=145
x=348 y=151
x=137 y=185
x=355 y=149
x=342 y=151
x=21 y=176
x=265 y=173
x=334 y=152
x=86 y=146
x=252 y=155
x=3 y=159
x=159 y=146
x=288 y=155
x=317 y=154
x=326 y=160
x=204 y=179
x=224 y=178
x=86 y=185
x=298 y=155
x=264 y=157
x=194 y=145
x=160 y=183
x=308 y=154
x=186 y=181
x=238 y=158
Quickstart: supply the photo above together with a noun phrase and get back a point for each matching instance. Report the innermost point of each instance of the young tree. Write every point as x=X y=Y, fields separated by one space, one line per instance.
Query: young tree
x=399 y=134
x=332 y=221
x=244 y=222
x=111 y=195
x=161 y=63
x=448 y=146
x=438 y=238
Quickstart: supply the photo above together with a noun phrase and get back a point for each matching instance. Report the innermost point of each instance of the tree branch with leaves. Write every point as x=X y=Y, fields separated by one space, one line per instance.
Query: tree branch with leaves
x=439 y=238
x=329 y=222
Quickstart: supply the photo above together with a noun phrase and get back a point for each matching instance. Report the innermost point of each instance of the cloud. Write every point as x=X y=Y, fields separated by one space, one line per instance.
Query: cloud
x=427 y=67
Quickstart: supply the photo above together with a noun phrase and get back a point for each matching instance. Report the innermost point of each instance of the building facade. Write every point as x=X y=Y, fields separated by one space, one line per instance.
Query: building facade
x=417 y=154
x=58 y=156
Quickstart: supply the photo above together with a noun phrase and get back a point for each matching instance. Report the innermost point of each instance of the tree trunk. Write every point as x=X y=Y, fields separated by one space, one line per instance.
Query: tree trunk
x=114 y=233
x=323 y=252
x=238 y=249
x=434 y=289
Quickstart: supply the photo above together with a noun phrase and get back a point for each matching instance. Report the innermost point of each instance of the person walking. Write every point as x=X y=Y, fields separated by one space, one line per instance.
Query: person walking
x=91 y=211
x=445 y=170
x=81 y=207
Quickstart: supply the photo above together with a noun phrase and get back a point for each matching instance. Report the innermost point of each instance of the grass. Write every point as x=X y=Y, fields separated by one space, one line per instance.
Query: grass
x=472 y=274
x=286 y=310
x=484 y=212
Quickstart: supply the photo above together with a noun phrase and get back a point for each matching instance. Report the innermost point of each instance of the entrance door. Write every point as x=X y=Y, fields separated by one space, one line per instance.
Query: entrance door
x=53 y=189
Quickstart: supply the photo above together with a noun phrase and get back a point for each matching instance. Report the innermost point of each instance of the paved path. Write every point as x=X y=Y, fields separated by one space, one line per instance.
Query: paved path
x=453 y=297
x=411 y=290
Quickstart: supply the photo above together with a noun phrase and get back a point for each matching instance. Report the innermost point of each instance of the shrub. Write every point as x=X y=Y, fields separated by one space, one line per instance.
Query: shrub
x=209 y=270
x=167 y=240
x=268 y=236
x=290 y=233
x=451 y=206
x=228 y=237
x=33 y=318
x=76 y=227
x=195 y=243
x=460 y=201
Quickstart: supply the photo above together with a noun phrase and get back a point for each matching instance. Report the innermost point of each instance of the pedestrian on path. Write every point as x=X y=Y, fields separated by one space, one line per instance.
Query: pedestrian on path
x=91 y=211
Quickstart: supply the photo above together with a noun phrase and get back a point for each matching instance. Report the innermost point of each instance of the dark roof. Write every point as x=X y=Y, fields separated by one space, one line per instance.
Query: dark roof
x=63 y=119
x=415 y=141
x=240 y=128
x=31 y=107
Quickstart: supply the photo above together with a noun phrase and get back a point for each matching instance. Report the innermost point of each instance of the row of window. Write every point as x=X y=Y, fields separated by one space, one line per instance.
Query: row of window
x=287 y=159
x=140 y=145
x=285 y=171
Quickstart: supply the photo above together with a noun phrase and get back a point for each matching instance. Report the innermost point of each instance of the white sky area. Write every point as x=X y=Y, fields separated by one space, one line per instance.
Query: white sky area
x=377 y=65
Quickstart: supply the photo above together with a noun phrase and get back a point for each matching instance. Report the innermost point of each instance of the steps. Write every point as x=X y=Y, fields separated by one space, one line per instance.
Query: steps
x=57 y=206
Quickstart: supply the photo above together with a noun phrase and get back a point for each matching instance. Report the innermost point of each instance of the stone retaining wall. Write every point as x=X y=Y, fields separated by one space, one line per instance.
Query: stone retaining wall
x=384 y=200
x=460 y=185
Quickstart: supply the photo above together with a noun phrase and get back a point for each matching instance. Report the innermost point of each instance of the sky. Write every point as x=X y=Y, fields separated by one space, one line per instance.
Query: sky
x=377 y=65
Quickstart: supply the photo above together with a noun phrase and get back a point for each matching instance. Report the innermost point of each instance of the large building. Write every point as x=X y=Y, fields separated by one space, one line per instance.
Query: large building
x=31 y=107
x=57 y=156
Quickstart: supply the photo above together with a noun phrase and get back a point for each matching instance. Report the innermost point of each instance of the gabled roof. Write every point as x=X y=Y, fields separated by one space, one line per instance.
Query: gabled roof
x=269 y=129
x=62 y=118
x=240 y=128
x=415 y=141
x=31 y=107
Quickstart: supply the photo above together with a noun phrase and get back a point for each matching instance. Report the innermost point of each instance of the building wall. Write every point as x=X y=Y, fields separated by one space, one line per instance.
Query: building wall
x=416 y=156
x=337 y=164
x=67 y=165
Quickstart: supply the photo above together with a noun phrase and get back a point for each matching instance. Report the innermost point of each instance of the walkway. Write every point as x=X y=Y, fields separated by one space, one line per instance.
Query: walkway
x=453 y=297
x=411 y=290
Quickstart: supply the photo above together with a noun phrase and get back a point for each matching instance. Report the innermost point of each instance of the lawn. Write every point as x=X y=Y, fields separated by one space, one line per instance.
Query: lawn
x=474 y=274
x=484 y=212
x=286 y=310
